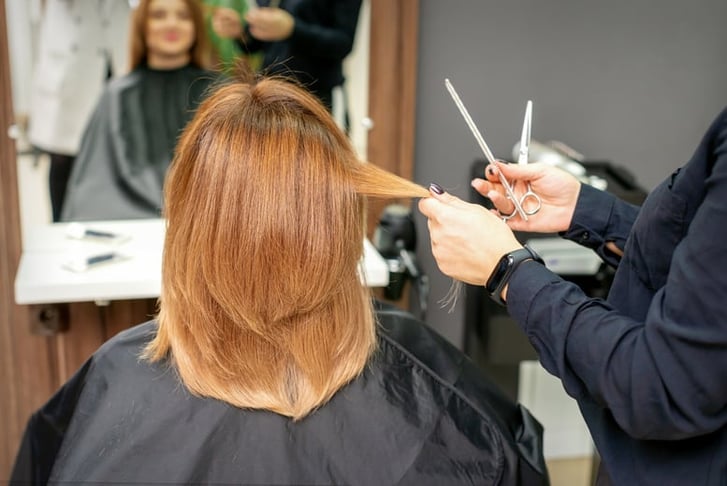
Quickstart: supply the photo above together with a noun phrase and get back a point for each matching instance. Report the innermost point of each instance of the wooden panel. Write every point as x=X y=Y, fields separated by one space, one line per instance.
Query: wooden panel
x=122 y=315
x=27 y=373
x=392 y=97
x=392 y=84
x=392 y=91
x=92 y=325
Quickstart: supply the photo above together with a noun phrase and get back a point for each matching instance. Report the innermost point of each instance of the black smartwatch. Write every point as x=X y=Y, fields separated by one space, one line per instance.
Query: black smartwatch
x=504 y=269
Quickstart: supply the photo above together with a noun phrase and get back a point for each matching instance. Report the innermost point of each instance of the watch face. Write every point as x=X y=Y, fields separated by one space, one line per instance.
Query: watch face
x=499 y=272
x=504 y=270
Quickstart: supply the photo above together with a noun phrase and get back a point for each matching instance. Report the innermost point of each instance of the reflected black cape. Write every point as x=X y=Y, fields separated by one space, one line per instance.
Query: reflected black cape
x=421 y=414
x=129 y=143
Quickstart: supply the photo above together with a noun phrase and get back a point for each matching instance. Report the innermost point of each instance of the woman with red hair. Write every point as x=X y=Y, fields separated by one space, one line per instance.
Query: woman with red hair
x=269 y=362
x=129 y=142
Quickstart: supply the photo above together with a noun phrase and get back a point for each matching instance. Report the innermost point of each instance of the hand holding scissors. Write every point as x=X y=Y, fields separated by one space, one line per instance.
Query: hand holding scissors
x=529 y=202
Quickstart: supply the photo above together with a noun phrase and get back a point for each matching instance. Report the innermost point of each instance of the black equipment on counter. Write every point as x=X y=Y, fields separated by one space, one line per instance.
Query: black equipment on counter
x=395 y=239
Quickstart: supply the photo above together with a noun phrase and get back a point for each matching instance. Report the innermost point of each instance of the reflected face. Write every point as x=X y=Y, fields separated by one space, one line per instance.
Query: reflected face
x=169 y=29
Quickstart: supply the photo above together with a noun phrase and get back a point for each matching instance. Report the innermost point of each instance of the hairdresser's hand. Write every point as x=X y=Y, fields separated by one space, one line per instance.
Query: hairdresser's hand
x=270 y=24
x=227 y=23
x=467 y=239
x=558 y=191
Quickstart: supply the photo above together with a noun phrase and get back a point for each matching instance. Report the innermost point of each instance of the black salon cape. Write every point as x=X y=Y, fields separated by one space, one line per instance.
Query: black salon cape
x=420 y=414
x=129 y=142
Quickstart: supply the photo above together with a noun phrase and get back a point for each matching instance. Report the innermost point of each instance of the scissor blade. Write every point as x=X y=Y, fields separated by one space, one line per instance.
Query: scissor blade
x=483 y=145
x=525 y=137
x=470 y=123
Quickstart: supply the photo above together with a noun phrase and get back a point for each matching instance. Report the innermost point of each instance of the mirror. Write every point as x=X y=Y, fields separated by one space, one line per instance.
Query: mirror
x=23 y=21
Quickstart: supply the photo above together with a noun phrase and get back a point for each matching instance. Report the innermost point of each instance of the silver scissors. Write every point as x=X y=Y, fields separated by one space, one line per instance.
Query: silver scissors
x=486 y=150
x=535 y=203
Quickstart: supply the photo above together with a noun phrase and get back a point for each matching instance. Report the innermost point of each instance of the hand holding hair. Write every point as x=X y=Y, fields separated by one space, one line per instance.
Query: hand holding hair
x=467 y=240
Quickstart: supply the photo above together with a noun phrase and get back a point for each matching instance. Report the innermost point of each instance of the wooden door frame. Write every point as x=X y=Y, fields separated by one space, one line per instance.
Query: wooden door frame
x=392 y=84
x=392 y=91
x=29 y=363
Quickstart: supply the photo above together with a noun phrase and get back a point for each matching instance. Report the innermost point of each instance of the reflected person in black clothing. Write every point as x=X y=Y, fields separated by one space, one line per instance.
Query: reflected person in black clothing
x=305 y=39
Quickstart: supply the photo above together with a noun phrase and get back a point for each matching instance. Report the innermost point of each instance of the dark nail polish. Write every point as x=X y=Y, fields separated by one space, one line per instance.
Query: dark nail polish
x=436 y=188
x=491 y=171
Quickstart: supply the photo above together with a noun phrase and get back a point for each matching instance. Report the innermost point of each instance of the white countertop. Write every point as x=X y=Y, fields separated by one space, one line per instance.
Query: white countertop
x=43 y=276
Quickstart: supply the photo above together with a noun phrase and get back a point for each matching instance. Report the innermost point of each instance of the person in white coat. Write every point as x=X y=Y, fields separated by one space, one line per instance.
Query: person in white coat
x=82 y=43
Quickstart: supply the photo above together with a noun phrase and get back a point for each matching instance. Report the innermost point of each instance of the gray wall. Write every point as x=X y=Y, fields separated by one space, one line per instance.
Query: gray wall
x=635 y=82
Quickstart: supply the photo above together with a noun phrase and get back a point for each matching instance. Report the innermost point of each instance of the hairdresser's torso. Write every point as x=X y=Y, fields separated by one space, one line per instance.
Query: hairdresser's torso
x=671 y=284
x=323 y=36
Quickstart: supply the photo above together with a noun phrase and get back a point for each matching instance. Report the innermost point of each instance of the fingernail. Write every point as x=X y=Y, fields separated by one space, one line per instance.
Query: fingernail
x=491 y=170
x=436 y=188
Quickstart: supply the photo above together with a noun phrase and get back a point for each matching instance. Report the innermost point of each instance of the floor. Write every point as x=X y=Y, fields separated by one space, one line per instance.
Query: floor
x=570 y=472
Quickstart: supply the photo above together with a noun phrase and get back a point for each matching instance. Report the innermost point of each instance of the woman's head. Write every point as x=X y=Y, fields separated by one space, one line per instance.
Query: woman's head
x=262 y=305
x=167 y=34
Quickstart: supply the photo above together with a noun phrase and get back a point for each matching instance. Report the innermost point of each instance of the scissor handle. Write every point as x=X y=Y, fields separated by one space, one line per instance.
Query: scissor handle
x=529 y=194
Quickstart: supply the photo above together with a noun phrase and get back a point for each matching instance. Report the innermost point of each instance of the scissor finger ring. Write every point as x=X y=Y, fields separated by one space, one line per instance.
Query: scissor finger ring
x=529 y=195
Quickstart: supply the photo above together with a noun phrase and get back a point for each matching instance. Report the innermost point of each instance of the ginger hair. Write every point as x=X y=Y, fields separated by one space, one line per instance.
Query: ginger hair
x=262 y=305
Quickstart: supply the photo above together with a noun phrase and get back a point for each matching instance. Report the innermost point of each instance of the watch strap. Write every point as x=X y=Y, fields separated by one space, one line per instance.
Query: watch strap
x=504 y=269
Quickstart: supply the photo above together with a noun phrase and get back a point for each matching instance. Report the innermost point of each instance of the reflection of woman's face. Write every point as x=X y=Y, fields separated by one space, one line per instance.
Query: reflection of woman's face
x=169 y=33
